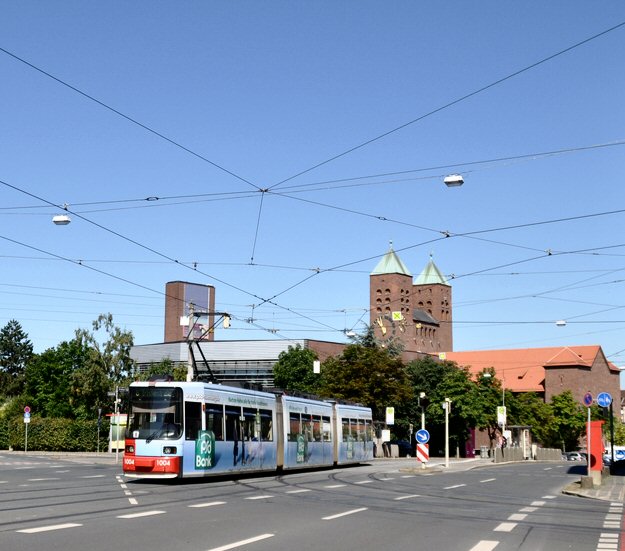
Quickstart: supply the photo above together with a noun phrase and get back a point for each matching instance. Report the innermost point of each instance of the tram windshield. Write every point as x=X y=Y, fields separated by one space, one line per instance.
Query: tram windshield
x=155 y=413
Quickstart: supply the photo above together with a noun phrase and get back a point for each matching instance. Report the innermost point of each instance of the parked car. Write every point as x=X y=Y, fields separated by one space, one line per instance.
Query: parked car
x=574 y=456
x=607 y=459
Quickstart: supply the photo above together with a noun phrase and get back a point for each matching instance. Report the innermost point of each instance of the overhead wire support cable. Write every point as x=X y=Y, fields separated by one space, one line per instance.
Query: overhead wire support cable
x=452 y=103
x=128 y=118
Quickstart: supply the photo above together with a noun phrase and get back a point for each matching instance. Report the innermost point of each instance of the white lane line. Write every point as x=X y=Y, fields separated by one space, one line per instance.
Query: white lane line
x=606 y=546
x=127 y=493
x=258 y=497
x=386 y=479
x=93 y=476
x=209 y=504
x=144 y=514
x=549 y=497
x=537 y=503
x=4 y=481
x=613 y=517
x=488 y=480
x=63 y=472
x=616 y=505
x=529 y=509
x=547 y=468
x=506 y=527
x=406 y=497
x=42 y=479
x=48 y=528
x=608 y=535
x=123 y=486
x=332 y=517
x=454 y=486
x=335 y=486
x=485 y=545
x=409 y=476
x=517 y=516
x=242 y=542
x=364 y=482
x=133 y=501
x=300 y=491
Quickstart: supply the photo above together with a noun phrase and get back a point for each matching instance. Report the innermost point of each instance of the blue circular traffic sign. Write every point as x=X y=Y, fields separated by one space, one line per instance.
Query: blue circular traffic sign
x=604 y=399
x=588 y=399
x=422 y=436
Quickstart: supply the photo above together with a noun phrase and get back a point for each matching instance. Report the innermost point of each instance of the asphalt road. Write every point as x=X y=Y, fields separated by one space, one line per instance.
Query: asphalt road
x=85 y=504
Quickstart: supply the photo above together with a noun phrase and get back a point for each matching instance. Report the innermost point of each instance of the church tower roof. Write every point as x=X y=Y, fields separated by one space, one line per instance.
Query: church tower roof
x=431 y=275
x=390 y=263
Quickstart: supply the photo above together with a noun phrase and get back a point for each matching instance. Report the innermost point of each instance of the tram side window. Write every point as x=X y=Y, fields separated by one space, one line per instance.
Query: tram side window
x=295 y=426
x=193 y=419
x=360 y=429
x=266 y=425
x=346 y=432
x=327 y=429
x=215 y=420
x=316 y=428
x=368 y=430
x=232 y=423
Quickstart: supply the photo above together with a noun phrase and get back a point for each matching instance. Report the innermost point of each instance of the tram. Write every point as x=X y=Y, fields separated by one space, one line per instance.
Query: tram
x=198 y=429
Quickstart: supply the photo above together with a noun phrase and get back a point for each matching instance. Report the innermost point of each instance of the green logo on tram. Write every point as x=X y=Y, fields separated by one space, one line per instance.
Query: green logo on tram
x=302 y=449
x=205 y=450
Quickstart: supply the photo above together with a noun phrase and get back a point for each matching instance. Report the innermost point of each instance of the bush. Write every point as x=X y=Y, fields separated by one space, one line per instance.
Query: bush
x=49 y=434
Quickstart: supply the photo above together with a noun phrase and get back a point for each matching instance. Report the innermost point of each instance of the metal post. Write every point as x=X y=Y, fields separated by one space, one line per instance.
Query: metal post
x=612 y=432
x=26 y=438
x=116 y=424
x=447 y=405
x=588 y=443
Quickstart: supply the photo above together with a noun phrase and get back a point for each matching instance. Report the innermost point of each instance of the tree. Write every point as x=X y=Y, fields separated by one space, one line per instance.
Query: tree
x=294 y=370
x=370 y=376
x=106 y=364
x=113 y=353
x=15 y=352
x=569 y=421
x=49 y=377
x=531 y=410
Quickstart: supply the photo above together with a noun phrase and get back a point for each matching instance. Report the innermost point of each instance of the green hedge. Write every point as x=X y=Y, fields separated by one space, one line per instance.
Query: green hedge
x=48 y=434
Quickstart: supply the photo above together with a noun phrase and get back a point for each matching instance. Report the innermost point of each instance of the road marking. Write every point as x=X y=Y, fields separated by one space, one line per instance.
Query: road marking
x=133 y=501
x=406 y=497
x=364 y=482
x=144 y=514
x=537 y=503
x=90 y=476
x=42 y=479
x=517 y=516
x=242 y=542
x=209 y=504
x=386 y=479
x=409 y=476
x=258 y=497
x=547 y=468
x=332 y=517
x=4 y=481
x=488 y=480
x=48 y=528
x=335 y=486
x=454 y=486
x=529 y=509
x=484 y=545
x=601 y=546
x=506 y=527
x=63 y=472
x=549 y=497
x=613 y=517
x=300 y=491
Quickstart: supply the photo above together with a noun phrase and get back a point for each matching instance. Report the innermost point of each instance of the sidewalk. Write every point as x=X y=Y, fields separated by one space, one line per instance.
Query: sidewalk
x=612 y=487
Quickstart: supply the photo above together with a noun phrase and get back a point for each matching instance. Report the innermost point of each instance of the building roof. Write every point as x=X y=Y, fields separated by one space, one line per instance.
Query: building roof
x=431 y=275
x=523 y=370
x=390 y=263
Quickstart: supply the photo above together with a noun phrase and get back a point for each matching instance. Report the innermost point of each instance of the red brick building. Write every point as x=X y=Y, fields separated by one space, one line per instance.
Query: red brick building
x=416 y=314
x=547 y=371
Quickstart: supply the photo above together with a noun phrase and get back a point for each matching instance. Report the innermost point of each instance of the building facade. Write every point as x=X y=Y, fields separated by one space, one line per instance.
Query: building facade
x=182 y=301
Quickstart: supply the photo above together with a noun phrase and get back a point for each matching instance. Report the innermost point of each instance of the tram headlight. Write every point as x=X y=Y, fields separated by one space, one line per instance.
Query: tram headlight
x=130 y=449
x=170 y=450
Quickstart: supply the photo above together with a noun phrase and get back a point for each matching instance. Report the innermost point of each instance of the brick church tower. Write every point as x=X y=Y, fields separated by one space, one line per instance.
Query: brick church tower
x=416 y=314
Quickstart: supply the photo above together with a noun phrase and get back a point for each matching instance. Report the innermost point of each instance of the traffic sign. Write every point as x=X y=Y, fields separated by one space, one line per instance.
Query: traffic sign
x=423 y=452
x=604 y=399
x=588 y=399
x=422 y=436
x=27 y=409
x=27 y=415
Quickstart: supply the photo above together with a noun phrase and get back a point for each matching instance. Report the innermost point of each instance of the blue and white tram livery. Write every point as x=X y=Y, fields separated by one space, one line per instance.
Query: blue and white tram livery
x=202 y=429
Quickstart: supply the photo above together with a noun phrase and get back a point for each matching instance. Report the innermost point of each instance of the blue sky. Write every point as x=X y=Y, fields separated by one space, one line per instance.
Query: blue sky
x=254 y=96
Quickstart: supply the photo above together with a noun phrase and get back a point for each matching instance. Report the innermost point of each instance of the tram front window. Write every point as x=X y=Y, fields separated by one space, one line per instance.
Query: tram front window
x=155 y=413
